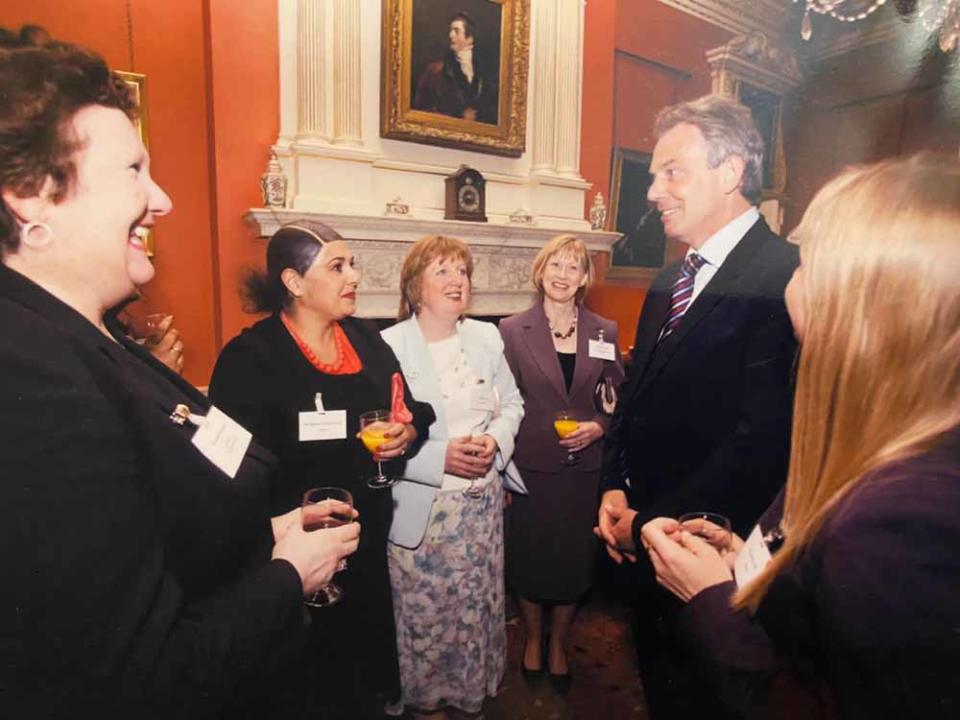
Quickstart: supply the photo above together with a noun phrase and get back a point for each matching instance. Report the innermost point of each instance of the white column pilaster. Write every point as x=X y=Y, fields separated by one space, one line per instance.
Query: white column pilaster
x=311 y=83
x=569 y=56
x=543 y=55
x=347 y=86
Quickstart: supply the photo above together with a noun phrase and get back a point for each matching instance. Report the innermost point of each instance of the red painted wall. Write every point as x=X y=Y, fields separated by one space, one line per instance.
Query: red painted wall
x=208 y=142
x=164 y=41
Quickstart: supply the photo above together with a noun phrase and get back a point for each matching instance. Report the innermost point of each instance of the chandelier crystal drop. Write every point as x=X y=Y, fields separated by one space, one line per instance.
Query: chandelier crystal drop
x=936 y=16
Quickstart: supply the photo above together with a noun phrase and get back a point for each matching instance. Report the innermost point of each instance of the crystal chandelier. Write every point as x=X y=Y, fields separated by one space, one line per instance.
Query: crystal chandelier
x=936 y=16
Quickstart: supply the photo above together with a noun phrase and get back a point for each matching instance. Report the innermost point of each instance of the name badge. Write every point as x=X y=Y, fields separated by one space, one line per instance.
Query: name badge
x=329 y=425
x=601 y=349
x=482 y=398
x=752 y=558
x=222 y=440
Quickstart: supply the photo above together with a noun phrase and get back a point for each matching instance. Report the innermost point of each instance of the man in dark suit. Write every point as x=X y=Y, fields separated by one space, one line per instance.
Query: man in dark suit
x=703 y=422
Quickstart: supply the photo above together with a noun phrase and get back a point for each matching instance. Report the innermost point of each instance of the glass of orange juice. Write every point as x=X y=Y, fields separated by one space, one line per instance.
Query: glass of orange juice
x=565 y=422
x=373 y=425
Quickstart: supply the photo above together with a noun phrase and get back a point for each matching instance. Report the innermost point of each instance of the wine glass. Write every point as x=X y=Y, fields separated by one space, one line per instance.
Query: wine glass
x=317 y=512
x=473 y=490
x=564 y=422
x=373 y=425
x=712 y=527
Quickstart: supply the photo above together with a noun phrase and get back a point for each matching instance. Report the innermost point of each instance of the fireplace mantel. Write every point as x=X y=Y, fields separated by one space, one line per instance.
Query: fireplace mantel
x=503 y=254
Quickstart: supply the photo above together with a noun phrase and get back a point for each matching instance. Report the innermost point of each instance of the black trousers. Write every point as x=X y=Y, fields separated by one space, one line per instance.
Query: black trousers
x=672 y=686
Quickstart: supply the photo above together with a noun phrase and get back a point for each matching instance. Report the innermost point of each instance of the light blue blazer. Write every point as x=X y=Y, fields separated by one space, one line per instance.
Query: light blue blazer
x=413 y=496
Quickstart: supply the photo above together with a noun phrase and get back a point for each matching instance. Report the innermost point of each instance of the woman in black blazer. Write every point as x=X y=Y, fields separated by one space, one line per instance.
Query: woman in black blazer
x=142 y=574
x=270 y=378
x=855 y=614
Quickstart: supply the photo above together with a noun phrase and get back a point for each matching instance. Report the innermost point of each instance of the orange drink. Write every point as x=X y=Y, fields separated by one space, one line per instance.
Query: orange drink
x=372 y=438
x=565 y=427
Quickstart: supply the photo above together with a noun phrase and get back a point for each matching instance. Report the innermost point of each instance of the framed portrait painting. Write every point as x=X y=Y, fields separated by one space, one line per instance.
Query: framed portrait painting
x=644 y=249
x=454 y=73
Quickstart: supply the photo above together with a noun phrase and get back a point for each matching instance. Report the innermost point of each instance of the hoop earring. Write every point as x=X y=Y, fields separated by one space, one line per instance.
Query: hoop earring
x=27 y=230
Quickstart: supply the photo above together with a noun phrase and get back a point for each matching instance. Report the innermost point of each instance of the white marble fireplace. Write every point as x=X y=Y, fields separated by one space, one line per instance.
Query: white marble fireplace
x=341 y=172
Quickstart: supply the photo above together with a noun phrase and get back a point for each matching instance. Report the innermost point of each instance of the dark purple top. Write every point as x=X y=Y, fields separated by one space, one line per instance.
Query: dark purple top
x=867 y=623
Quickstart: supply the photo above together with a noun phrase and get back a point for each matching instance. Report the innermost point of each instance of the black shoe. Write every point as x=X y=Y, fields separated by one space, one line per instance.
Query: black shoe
x=561 y=683
x=532 y=677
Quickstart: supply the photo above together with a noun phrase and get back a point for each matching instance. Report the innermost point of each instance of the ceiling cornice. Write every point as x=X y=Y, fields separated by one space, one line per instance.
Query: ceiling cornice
x=737 y=16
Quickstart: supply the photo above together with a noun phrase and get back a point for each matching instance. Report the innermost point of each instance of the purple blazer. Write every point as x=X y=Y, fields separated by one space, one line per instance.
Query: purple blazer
x=529 y=350
x=866 y=624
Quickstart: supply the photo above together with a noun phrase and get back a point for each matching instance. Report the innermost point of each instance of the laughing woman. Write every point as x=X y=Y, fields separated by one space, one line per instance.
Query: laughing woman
x=446 y=542
x=310 y=355
x=142 y=576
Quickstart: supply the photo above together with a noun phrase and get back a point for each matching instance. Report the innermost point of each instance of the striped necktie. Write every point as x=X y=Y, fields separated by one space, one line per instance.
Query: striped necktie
x=681 y=292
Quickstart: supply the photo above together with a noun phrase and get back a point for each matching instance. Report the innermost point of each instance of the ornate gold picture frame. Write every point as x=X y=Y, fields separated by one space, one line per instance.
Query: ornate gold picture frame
x=426 y=95
x=138 y=85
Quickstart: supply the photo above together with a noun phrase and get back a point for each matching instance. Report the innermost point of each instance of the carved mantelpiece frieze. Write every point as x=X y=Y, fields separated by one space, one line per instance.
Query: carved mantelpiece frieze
x=502 y=254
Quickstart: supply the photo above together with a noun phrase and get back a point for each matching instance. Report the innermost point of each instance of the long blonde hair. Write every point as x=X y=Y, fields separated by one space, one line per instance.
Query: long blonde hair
x=879 y=371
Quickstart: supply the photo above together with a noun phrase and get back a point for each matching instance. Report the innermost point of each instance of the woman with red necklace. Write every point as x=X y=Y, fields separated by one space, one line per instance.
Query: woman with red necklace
x=309 y=360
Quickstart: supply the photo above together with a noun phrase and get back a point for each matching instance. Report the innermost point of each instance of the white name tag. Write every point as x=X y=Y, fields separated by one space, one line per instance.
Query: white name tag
x=601 y=349
x=481 y=398
x=752 y=558
x=223 y=441
x=330 y=425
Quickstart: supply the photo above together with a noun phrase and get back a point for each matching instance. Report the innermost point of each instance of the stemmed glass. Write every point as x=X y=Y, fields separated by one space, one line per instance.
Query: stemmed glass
x=564 y=422
x=373 y=425
x=712 y=527
x=473 y=490
x=318 y=511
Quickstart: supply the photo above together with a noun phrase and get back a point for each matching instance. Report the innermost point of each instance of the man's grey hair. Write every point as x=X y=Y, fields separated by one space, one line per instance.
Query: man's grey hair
x=728 y=128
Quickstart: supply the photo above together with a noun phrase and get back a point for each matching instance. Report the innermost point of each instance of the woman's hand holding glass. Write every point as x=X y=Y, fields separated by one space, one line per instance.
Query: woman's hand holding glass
x=587 y=433
x=315 y=556
x=684 y=563
x=470 y=456
x=397 y=439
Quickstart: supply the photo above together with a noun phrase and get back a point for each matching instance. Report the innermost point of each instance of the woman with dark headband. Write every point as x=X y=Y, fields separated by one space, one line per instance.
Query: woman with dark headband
x=143 y=576
x=301 y=380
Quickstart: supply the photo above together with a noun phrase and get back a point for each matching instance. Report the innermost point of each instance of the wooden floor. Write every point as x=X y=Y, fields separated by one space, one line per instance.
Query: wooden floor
x=603 y=664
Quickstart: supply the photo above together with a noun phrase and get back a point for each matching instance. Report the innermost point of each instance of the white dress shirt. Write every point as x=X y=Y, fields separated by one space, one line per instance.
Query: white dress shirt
x=465 y=58
x=718 y=246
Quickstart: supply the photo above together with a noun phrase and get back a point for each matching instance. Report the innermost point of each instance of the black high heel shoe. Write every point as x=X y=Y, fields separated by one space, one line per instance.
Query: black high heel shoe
x=533 y=677
x=561 y=681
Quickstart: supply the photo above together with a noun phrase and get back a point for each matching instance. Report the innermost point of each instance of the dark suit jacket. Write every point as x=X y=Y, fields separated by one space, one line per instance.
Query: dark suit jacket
x=704 y=418
x=867 y=622
x=532 y=357
x=442 y=87
x=137 y=576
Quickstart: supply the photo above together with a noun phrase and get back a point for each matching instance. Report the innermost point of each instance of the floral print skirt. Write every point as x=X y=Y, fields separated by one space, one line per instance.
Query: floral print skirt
x=448 y=597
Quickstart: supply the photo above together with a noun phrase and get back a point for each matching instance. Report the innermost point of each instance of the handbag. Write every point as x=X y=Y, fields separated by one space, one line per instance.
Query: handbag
x=605 y=396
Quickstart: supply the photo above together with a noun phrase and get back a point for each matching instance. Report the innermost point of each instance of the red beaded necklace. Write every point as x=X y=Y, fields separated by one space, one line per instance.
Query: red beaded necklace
x=347 y=362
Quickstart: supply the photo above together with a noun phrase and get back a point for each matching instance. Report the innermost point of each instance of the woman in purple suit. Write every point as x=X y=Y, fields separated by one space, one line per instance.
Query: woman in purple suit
x=564 y=358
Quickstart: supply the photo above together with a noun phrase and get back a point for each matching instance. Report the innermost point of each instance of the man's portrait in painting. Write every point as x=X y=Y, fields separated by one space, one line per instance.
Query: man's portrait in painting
x=462 y=83
x=454 y=73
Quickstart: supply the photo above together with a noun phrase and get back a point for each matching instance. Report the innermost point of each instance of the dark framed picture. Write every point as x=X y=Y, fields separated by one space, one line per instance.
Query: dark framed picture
x=643 y=249
x=455 y=73
x=765 y=109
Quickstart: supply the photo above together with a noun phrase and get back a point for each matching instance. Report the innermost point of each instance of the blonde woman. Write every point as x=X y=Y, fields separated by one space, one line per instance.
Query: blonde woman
x=856 y=613
x=446 y=541
x=553 y=352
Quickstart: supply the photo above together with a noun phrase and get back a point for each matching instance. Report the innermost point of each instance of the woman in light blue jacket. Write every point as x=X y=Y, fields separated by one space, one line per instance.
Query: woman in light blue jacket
x=446 y=541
